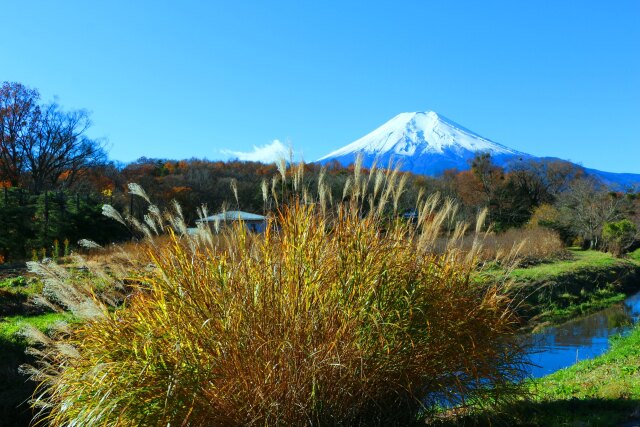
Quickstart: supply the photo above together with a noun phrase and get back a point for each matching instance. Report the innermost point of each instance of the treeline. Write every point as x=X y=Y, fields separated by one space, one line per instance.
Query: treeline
x=545 y=193
x=548 y=193
x=34 y=226
x=46 y=162
x=54 y=180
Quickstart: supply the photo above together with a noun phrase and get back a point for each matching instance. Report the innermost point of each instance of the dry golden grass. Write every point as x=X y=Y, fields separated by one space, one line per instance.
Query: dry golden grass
x=339 y=314
x=529 y=245
x=522 y=246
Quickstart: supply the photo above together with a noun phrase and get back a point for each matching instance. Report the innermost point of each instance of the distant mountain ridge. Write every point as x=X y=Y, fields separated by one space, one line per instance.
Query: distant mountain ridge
x=428 y=143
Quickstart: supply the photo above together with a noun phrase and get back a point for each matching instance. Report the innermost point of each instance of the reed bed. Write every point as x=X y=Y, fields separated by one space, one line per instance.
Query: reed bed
x=339 y=314
x=521 y=246
x=530 y=246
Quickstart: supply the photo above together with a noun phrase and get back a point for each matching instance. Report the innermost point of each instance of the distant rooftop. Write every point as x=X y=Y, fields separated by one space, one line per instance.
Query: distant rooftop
x=233 y=216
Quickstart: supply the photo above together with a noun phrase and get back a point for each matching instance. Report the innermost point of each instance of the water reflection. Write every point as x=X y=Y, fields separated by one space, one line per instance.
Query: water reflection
x=563 y=345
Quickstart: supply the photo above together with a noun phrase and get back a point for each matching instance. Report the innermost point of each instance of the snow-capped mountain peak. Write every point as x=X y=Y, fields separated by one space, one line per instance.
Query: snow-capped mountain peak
x=419 y=133
x=428 y=143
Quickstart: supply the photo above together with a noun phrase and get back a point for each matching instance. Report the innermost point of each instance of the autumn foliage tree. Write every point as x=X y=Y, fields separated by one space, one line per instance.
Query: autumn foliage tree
x=42 y=146
x=18 y=111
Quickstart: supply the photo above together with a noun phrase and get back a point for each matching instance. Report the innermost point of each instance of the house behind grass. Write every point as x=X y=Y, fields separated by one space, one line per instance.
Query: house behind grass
x=254 y=222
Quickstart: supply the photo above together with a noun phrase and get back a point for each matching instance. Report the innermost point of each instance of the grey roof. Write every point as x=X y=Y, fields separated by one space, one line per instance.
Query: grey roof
x=233 y=216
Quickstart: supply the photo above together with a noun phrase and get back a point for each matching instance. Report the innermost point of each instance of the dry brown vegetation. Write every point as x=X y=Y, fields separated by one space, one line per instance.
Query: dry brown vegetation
x=339 y=314
x=517 y=246
x=526 y=245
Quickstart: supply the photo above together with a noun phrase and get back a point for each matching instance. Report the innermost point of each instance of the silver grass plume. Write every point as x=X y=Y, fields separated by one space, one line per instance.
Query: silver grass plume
x=298 y=176
x=372 y=171
x=357 y=169
x=203 y=211
x=274 y=191
x=155 y=213
x=305 y=196
x=322 y=191
x=177 y=219
x=149 y=220
x=265 y=191
x=234 y=188
x=111 y=212
x=89 y=244
x=137 y=190
x=347 y=187
x=379 y=179
x=480 y=220
x=139 y=226
x=398 y=190
x=281 y=164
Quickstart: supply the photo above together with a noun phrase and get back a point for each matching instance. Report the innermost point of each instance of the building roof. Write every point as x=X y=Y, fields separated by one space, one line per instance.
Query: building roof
x=233 y=216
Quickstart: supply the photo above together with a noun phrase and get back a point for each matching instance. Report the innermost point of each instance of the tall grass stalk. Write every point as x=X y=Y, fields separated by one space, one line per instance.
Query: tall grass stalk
x=337 y=315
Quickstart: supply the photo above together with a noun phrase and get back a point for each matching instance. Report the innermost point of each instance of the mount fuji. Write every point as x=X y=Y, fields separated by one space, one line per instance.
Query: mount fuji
x=428 y=143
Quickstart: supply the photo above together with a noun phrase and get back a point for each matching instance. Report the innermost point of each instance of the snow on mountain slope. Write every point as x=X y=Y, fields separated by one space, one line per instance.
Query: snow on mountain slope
x=424 y=143
x=411 y=134
x=428 y=143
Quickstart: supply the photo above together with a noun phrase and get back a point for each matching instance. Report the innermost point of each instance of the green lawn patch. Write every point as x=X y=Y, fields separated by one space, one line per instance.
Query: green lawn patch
x=557 y=291
x=21 y=285
x=13 y=282
x=580 y=260
x=635 y=255
x=614 y=375
x=10 y=326
x=17 y=297
x=604 y=391
x=15 y=388
x=607 y=388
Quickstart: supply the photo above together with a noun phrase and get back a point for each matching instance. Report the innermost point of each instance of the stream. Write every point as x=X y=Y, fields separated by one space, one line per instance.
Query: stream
x=587 y=337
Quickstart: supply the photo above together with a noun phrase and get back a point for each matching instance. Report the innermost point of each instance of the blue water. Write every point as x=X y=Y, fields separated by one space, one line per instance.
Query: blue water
x=561 y=346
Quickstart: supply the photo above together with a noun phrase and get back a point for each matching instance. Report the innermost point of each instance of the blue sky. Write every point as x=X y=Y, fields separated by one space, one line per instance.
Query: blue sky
x=200 y=79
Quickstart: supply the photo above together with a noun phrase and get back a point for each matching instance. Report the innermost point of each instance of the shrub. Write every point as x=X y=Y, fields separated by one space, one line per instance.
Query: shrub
x=530 y=245
x=545 y=216
x=333 y=316
x=527 y=246
x=619 y=236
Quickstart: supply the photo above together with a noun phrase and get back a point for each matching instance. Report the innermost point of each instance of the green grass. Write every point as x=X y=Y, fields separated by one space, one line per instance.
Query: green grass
x=17 y=297
x=604 y=391
x=557 y=291
x=10 y=326
x=15 y=389
x=21 y=285
x=13 y=282
x=580 y=260
x=614 y=375
x=601 y=299
x=635 y=255
x=608 y=388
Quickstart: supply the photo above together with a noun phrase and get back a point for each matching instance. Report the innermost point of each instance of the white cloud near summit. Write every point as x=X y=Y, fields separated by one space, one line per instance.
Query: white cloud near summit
x=267 y=153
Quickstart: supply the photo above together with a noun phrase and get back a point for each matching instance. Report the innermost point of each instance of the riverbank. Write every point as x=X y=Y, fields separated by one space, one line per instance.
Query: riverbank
x=604 y=391
x=553 y=292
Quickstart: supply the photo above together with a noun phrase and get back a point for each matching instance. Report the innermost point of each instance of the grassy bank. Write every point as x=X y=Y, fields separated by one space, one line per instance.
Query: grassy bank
x=17 y=310
x=602 y=392
x=15 y=388
x=586 y=282
x=607 y=388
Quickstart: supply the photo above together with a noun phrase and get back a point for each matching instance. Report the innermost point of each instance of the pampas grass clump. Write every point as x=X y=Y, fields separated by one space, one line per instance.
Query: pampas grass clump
x=339 y=314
